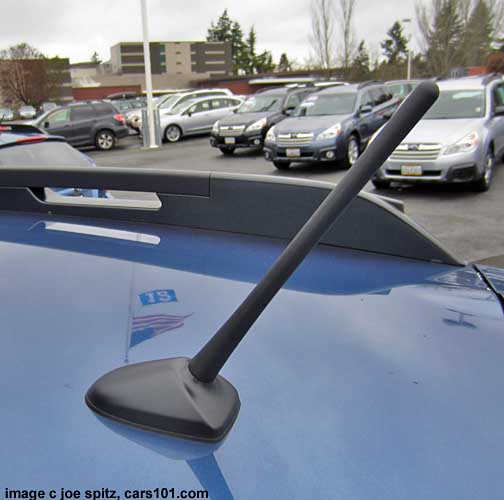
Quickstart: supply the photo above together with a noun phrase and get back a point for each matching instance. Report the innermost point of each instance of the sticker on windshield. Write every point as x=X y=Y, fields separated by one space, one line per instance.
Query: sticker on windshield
x=312 y=98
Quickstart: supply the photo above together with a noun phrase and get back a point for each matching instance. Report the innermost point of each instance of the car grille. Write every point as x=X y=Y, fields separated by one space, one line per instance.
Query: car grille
x=416 y=152
x=231 y=130
x=297 y=139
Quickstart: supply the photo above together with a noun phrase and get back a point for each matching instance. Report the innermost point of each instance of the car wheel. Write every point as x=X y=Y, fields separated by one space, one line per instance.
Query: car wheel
x=172 y=133
x=380 y=183
x=226 y=150
x=352 y=151
x=282 y=165
x=483 y=184
x=105 y=140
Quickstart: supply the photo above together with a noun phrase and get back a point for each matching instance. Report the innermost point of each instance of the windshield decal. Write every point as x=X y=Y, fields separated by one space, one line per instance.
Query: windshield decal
x=147 y=327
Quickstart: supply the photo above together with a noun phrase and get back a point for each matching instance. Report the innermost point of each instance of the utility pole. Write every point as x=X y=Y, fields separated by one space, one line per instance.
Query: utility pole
x=408 y=21
x=148 y=75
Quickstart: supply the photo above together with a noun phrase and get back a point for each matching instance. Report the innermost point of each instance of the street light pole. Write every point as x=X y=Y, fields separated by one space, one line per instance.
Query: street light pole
x=408 y=75
x=148 y=75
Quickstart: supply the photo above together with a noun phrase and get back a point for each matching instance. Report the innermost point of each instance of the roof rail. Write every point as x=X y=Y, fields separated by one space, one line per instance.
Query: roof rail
x=368 y=83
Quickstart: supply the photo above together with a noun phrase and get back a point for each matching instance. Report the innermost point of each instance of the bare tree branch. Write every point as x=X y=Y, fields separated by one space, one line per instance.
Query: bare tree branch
x=322 y=35
x=345 y=19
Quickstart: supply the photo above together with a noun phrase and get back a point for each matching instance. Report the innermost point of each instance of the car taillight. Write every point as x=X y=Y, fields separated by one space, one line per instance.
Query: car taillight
x=120 y=119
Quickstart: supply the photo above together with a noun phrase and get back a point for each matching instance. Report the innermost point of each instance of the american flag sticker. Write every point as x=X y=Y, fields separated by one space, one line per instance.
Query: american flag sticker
x=147 y=327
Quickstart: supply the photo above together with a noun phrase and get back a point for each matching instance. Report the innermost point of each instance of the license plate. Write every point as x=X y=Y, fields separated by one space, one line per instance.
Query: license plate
x=230 y=140
x=293 y=152
x=413 y=170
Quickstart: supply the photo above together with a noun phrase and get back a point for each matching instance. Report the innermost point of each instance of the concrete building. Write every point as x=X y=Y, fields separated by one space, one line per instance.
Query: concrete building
x=173 y=58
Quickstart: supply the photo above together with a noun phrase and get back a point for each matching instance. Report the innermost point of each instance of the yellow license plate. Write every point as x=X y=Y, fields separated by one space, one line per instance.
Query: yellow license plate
x=412 y=170
x=293 y=152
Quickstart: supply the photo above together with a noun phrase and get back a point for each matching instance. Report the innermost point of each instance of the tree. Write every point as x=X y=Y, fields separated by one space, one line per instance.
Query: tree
x=395 y=46
x=360 y=66
x=27 y=76
x=478 y=34
x=95 y=58
x=256 y=63
x=284 y=64
x=228 y=30
x=322 y=35
x=345 y=16
x=495 y=62
x=443 y=36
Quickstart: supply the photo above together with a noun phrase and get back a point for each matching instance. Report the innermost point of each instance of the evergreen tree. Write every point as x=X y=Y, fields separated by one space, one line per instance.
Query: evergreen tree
x=360 y=65
x=95 y=58
x=478 y=35
x=284 y=65
x=395 y=46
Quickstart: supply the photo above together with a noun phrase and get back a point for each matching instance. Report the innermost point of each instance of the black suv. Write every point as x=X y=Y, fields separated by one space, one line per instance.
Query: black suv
x=248 y=126
x=85 y=124
x=334 y=124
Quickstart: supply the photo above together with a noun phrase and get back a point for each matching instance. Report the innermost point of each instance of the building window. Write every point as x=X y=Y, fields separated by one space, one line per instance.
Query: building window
x=215 y=62
x=178 y=52
x=215 y=52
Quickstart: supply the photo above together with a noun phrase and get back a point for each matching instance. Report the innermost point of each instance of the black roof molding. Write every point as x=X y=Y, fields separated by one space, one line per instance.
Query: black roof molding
x=247 y=204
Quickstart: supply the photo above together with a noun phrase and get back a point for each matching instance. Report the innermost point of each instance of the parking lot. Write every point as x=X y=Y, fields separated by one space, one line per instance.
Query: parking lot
x=468 y=223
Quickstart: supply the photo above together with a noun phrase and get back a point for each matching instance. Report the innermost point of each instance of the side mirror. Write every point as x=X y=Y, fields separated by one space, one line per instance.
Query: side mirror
x=289 y=111
x=499 y=110
x=46 y=124
x=365 y=109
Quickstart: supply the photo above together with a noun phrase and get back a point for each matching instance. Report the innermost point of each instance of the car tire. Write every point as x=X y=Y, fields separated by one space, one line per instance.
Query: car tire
x=282 y=165
x=483 y=183
x=172 y=133
x=105 y=140
x=352 y=151
x=226 y=150
x=380 y=183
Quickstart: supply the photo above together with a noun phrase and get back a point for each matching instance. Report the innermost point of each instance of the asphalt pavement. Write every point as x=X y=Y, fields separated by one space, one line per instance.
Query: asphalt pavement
x=470 y=224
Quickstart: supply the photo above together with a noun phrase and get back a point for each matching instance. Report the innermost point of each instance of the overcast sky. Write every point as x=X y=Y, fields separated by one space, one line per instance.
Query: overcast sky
x=76 y=28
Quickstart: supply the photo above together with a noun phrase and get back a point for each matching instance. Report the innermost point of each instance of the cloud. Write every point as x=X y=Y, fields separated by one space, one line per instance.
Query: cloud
x=76 y=28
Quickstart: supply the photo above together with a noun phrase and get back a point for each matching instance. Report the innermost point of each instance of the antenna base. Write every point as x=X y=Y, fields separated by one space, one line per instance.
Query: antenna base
x=163 y=396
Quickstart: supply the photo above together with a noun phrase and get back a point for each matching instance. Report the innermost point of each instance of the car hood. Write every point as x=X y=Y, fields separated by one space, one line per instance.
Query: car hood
x=443 y=131
x=313 y=124
x=368 y=376
x=245 y=118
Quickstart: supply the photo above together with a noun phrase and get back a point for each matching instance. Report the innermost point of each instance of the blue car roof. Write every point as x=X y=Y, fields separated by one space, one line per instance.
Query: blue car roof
x=386 y=392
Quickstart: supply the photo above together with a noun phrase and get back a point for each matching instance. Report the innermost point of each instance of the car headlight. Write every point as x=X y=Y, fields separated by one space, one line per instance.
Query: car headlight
x=258 y=125
x=270 y=136
x=215 y=128
x=467 y=144
x=330 y=133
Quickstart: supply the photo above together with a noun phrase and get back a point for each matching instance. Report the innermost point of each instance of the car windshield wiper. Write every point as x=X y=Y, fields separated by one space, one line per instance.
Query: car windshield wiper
x=187 y=397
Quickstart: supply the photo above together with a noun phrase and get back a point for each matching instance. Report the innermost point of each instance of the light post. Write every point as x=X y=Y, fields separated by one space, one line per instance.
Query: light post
x=408 y=21
x=148 y=75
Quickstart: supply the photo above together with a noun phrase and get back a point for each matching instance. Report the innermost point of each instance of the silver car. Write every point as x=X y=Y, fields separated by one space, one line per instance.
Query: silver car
x=6 y=115
x=457 y=140
x=196 y=116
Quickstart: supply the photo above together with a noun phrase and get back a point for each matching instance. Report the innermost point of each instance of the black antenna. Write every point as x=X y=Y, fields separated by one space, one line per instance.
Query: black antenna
x=189 y=398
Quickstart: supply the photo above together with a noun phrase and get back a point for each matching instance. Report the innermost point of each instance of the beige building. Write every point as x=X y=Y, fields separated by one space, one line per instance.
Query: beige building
x=173 y=58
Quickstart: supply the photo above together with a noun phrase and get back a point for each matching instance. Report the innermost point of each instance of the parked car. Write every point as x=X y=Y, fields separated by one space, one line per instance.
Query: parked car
x=333 y=125
x=374 y=374
x=48 y=106
x=167 y=102
x=6 y=114
x=401 y=88
x=27 y=112
x=457 y=141
x=249 y=126
x=195 y=116
x=86 y=124
x=28 y=146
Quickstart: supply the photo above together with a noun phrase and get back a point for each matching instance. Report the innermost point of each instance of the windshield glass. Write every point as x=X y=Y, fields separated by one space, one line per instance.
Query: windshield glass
x=181 y=107
x=41 y=154
x=330 y=104
x=169 y=102
x=457 y=104
x=261 y=103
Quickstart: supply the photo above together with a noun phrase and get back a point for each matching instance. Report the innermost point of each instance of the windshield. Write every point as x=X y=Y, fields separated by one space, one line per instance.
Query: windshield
x=261 y=103
x=169 y=102
x=330 y=104
x=453 y=104
x=41 y=154
x=181 y=107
